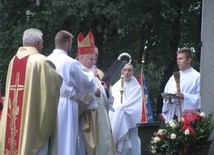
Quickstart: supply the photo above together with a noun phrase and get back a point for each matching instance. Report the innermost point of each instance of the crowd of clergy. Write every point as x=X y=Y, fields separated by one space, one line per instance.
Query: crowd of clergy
x=59 y=105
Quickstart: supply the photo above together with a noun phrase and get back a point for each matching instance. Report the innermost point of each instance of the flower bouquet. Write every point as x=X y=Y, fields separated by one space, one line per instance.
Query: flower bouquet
x=187 y=135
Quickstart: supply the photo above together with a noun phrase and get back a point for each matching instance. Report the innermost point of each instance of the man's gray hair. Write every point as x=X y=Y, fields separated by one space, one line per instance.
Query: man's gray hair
x=31 y=35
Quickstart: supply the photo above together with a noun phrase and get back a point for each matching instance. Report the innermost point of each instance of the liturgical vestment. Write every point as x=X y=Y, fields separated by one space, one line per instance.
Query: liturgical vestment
x=31 y=96
x=126 y=116
x=105 y=142
x=190 y=87
x=76 y=82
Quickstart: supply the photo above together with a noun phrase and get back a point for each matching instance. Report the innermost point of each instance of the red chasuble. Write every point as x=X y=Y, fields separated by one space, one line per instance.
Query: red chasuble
x=12 y=138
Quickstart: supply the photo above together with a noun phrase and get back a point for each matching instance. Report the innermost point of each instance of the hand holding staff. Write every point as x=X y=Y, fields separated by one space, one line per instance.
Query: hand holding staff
x=122 y=89
x=177 y=80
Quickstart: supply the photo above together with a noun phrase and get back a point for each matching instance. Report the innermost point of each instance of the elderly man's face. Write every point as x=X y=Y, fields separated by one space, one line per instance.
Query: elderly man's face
x=88 y=60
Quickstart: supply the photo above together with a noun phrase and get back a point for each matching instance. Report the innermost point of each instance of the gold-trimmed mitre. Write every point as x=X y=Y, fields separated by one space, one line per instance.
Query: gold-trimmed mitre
x=85 y=44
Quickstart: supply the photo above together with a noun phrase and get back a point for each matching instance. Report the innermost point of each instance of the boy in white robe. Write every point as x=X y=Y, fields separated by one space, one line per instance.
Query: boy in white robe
x=188 y=98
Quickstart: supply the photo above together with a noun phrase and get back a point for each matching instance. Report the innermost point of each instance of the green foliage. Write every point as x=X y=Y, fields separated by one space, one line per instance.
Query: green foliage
x=155 y=28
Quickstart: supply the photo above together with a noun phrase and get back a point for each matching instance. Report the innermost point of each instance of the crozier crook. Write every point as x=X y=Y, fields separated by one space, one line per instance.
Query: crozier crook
x=122 y=76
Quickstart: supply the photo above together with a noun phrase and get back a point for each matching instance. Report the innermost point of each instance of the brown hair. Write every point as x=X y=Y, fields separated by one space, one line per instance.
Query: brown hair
x=187 y=51
x=62 y=37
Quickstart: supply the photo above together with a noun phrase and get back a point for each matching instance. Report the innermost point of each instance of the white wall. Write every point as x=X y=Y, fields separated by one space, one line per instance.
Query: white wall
x=207 y=58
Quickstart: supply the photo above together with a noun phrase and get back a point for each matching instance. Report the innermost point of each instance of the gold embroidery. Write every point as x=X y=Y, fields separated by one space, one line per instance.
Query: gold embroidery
x=13 y=112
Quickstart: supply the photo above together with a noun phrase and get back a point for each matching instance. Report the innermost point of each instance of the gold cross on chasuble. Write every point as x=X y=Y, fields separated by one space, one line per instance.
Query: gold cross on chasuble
x=14 y=115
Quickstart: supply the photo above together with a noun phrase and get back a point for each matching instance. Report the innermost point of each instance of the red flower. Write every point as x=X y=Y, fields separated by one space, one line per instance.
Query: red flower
x=188 y=119
x=162 y=136
x=191 y=117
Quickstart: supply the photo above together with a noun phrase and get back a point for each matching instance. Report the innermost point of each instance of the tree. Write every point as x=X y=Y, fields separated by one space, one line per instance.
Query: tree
x=153 y=28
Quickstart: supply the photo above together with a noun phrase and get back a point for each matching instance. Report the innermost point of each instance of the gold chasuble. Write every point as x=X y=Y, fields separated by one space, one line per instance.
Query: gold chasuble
x=29 y=113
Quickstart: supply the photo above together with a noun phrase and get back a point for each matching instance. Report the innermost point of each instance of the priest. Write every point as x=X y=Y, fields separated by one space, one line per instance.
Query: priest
x=127 y=94
x=28 y=122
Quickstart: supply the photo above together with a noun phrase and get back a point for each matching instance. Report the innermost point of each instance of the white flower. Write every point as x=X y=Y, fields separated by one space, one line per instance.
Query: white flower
x=186 y=132
x=161 y=132
x=153 y=151
x=156 y=139
x=202 y=114
x=173 y=136
x=172 y=124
